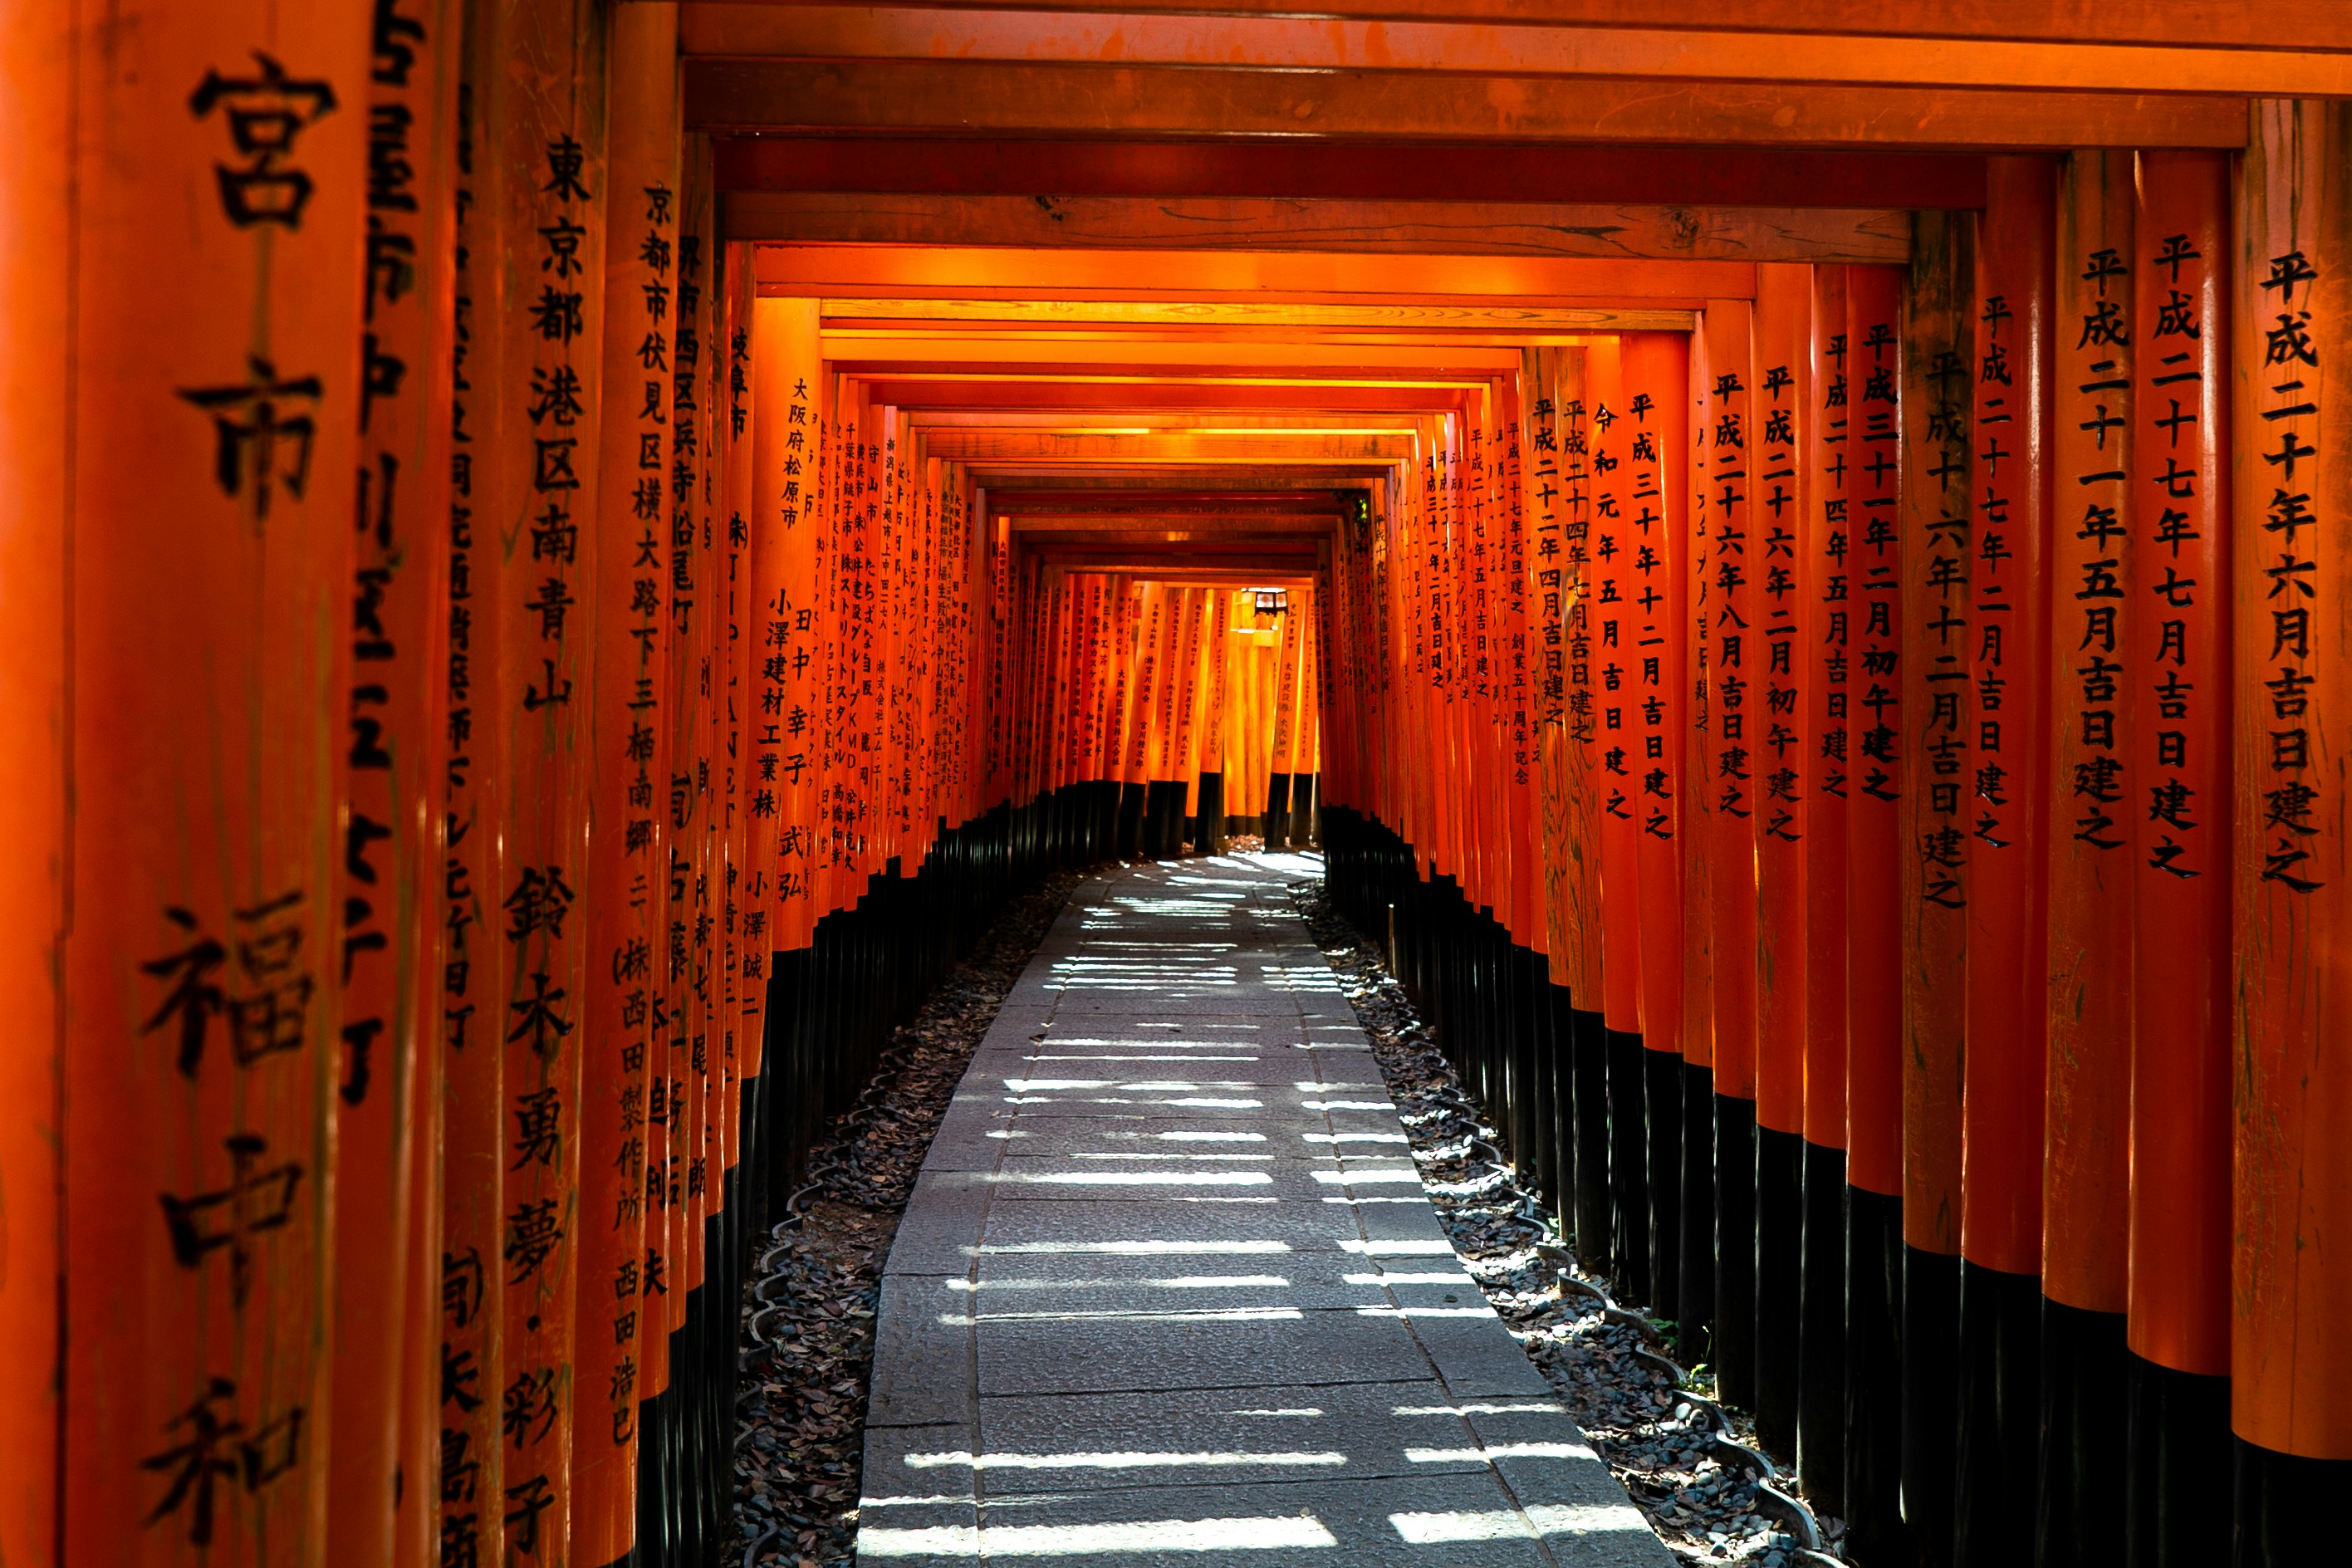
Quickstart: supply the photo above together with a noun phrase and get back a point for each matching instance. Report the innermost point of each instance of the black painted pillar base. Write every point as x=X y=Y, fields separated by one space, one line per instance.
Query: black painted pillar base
x=1277 y=811
x=1209 y=815
x=2082 y=1393
x=1875 y=1535
x=2177 y=1514
x=1629 y=1183
x=1821 y=1334
x=1735 y=1250
x=1132 y=800
x=2289 y=1508
x=1695 y=1317
x=1108 y=795
x=1931 y=1396
x=2000 y=1432
x=1305 y=826
x=1559 y=1069
x=1163 y=818
x=1531 y=1071
x=1780 y=1285
x=1589 y=1069
x=1662 y=1107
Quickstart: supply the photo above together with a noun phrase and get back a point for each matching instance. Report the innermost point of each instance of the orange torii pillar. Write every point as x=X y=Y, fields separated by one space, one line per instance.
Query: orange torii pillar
x=2179 y=662
x=1657 y=370
x=1616 y=589
x=624 y=1043
x=2291 y=1360
x=2087 y=1157
x=535 y=232
x=2006 y=809
x=1937 y=554
x=1572 y=811
x=1284 y=716
x=1878 y=753
x=1776 y=718
x=37 y=206
x=1839 y=385
x=1696 y=1323
x=187 y=512
x=387 y=1423
x=1734 y=651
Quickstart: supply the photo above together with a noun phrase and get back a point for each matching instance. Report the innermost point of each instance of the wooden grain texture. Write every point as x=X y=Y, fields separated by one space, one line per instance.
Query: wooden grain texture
x=1642 y=52
x=738 y=94
x=1261 y=277
x=1471 y=229
x=2225 y=24
x=1363 y=171
x=1225 y=315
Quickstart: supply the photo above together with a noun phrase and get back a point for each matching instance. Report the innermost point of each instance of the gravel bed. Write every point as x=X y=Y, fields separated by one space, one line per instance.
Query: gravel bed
x=1667 y=1441
x=808 y=1316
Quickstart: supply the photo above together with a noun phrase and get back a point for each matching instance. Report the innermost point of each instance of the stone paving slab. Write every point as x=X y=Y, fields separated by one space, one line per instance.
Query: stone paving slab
x=1169 y=1289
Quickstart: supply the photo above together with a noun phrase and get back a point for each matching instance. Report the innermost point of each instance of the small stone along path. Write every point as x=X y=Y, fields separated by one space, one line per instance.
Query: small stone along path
x=1169 y=1289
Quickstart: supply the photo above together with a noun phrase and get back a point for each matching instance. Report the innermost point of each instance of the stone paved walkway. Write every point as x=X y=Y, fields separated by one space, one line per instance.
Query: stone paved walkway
x=1168 y=1290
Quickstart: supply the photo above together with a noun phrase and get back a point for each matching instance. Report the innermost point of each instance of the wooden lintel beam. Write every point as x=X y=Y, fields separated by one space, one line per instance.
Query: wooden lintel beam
x=1478 y=317
x=1258 y=277
x=1354 y=171
x=1164 y=501
x=2217 y=24
x=2280 y=65
x=734 y=95
x=1192 y=481
x=984 y=445
x=997 y=392
x=1171 y=528
x=1293 y=223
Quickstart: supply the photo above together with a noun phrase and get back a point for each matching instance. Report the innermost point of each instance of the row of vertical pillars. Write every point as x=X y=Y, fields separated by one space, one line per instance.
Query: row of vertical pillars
x=1947 y=1413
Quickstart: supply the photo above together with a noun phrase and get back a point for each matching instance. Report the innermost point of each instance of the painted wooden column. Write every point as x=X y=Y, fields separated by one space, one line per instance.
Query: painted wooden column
x=1777 y=741
x=2179 y=662
x=1824 y=657
x=1617 y=751
x=2007 y=810
x=625 y=884
x=1880 y=754
x=200 y=549
x=1937 y=559
x=1657 y=368
x=1699 y=831
x=388 y=1168
x=1728 y=327
x=787 y=523
x=1573 y=811
x=38 y=196
x=2094 y=806
x=2291 y=1364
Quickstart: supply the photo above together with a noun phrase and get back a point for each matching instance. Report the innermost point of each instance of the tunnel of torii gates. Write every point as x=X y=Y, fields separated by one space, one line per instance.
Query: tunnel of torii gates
x=561 y=559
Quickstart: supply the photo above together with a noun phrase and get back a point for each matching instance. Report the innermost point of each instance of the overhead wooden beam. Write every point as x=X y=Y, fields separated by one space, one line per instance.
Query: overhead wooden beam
x=1265 y=277
x=1146 y=356
x=2221 y=24
x=1162 y=501
x=990 y=392
x=1180 y=419
x=1191 y=478
x=1057 y=99
x=2279 y=64
x=1354 y=171
x=983 y=444
x=1227 y=315
x=1426 y=228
